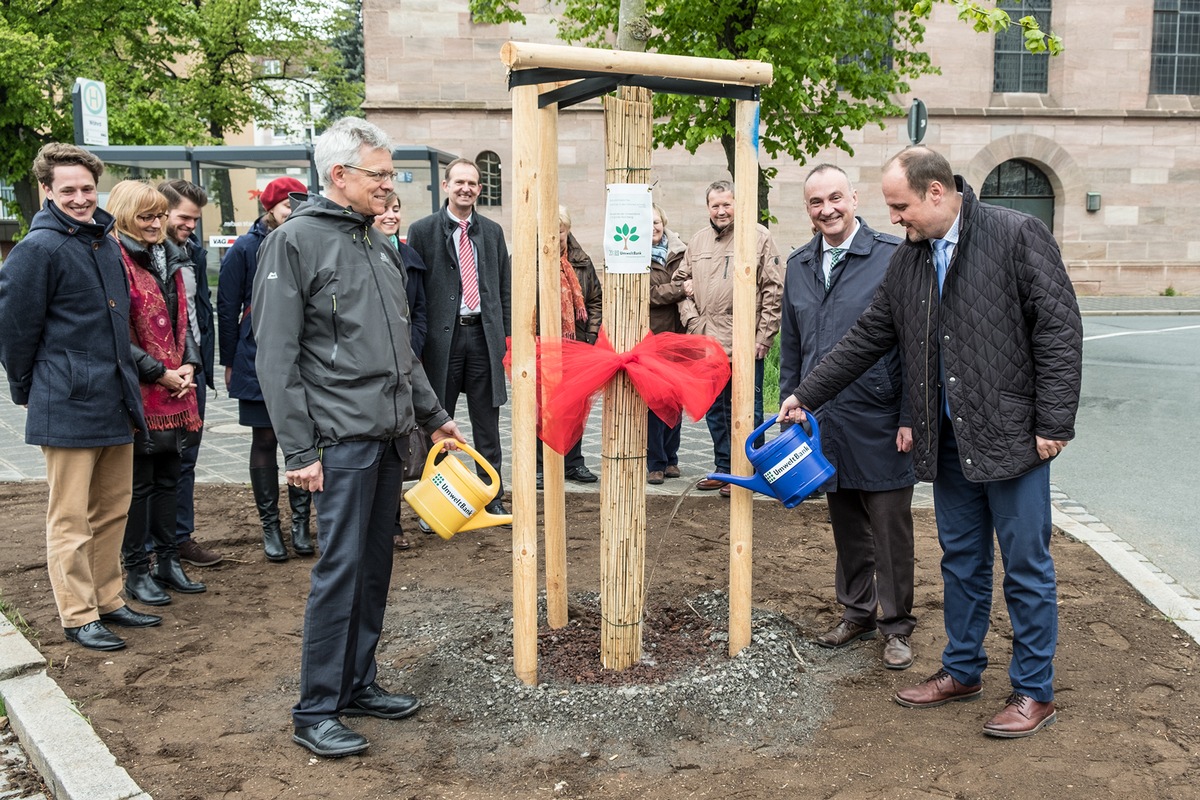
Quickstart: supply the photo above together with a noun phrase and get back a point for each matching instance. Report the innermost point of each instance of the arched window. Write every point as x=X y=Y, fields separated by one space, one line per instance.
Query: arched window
x=489 y=178
x=1020 y=185
x=1015 y=68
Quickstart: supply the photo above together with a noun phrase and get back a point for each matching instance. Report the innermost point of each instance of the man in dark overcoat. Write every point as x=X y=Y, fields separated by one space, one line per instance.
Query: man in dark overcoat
x=468 y=285
x=864 y=430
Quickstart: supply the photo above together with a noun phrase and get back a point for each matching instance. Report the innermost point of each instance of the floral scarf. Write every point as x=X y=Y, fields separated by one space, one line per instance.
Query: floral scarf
x=150 y=328
x=573 y=306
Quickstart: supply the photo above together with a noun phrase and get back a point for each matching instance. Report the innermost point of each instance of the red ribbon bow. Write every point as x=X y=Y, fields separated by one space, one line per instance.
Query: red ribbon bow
x=673 y=372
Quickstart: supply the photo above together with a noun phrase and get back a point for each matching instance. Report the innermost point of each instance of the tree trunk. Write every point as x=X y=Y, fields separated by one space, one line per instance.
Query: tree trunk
x=25 y=192
x=223 y=188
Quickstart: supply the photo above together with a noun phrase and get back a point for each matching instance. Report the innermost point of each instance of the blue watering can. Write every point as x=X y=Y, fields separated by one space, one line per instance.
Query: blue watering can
x=789 y=468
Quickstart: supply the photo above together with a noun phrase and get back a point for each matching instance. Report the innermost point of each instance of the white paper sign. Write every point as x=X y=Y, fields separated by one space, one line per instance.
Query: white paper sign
x=628 y=228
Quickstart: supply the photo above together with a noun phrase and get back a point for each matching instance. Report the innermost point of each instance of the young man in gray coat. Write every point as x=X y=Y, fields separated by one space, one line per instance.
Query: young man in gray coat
x=864 y=430
x=343 y=404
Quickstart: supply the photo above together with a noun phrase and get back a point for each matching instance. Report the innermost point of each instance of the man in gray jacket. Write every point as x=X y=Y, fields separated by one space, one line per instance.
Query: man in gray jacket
x=337 y=373
x=864 y=430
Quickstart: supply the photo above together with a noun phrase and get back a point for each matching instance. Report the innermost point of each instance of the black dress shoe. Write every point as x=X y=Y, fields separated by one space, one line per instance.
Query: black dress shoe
x=580 y=475
x=374 y=701
x=424 y=527
x=330 y=738
x=94 y=636
x=126 y=617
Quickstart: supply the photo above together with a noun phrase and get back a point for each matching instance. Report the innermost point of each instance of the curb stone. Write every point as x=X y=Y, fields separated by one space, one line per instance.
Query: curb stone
x=60 y=742
x=1157 y=587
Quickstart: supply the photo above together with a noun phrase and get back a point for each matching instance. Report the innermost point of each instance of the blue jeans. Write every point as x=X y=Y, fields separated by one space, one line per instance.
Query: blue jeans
x=720 y=419
x=1017 y=511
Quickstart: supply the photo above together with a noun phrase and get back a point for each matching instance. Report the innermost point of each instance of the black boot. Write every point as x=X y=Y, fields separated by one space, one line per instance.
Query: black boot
x=169 y=572
x=265 y=483
x=141 y=587
x=300 y=501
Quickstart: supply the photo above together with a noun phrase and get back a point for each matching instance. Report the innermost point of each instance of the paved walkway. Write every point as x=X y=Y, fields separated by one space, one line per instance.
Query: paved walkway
x=77 y=765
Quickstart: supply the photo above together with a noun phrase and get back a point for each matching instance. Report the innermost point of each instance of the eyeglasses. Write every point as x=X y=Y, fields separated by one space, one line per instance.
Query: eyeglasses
x=373 y=174
x=146 y=219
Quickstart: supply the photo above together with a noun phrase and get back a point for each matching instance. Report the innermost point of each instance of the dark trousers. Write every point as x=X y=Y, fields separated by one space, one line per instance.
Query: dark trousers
x=573 y=458
x=662 y=443
x=720 y=419
x=873 y=534
x=151 y=509
x=1017 y=511
x=470 y=372
x=185 y=505
x=356 y=514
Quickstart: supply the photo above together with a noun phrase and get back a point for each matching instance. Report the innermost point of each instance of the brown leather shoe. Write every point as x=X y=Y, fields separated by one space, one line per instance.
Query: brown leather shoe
x=709 y=484
x=897 y=652
x=655 y=477
x=844 y=633
x=936 y=690
x=196 y=555
x=672 y=471
x=1022 y=716
x=726 y=490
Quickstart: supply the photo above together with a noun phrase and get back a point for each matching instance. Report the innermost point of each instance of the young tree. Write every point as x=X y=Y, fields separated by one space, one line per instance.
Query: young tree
x=838 y=63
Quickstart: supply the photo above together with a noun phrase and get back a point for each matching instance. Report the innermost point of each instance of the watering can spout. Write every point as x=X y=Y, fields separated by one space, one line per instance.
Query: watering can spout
x=485 y=519
x=754 y=483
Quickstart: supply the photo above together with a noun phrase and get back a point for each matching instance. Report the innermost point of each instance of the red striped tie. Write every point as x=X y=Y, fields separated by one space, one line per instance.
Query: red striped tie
x=466 y=263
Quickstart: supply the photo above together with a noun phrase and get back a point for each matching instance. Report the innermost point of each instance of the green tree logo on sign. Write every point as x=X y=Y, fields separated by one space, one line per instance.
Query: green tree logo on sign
x=625 y=235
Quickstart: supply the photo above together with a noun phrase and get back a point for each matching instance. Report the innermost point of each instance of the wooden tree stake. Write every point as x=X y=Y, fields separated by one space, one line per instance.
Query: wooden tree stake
x=623 y=477
x=524 y=382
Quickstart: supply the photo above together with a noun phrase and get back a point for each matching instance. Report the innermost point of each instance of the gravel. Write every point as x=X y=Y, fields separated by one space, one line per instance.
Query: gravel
x=458 y=658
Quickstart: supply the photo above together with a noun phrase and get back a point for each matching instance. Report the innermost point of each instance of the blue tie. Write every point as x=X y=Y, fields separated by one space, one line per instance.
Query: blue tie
x=941 y=259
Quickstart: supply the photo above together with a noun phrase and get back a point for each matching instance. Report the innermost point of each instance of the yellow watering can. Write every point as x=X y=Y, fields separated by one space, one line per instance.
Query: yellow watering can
x=451 y=498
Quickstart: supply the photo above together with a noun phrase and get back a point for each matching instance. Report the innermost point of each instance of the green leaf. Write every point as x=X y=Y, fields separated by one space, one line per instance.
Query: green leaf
x=634 y=237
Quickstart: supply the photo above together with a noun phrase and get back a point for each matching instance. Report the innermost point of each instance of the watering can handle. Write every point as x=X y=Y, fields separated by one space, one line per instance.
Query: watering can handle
x=434 y=451
x=767 y=423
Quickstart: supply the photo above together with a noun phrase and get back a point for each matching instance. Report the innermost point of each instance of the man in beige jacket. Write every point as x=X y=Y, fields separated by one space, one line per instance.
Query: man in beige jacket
x=707 y=276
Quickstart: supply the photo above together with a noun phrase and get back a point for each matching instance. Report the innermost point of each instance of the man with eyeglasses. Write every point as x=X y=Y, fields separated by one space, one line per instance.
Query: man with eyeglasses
x=64 y=342
x=342 y=404
x=184 y=203
x=468 y=306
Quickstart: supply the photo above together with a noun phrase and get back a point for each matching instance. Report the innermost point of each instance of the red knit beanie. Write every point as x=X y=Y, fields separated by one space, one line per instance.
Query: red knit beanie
x=278 y=190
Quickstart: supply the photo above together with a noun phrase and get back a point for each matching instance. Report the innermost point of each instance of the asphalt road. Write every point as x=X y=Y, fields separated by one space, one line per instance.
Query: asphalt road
x=1135 y=462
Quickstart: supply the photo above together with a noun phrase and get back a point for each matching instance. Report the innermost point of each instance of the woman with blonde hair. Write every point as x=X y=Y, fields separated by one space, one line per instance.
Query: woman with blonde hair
x=166 y=356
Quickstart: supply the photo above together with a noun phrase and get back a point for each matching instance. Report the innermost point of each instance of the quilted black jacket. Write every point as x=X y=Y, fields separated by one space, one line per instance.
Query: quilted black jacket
x=1007 y=326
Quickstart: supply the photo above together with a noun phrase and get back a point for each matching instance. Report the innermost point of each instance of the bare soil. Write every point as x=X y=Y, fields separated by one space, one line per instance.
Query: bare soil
x=198 y=709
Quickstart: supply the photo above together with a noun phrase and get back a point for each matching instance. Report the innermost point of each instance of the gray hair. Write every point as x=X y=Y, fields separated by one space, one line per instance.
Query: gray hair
x=717 y=186
x=342 y=141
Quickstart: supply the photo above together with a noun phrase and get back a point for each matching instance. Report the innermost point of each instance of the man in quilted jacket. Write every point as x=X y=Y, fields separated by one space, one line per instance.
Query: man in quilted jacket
x=979 y=302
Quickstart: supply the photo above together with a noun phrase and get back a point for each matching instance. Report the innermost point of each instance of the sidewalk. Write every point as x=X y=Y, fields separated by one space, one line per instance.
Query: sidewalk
x=76 y=764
